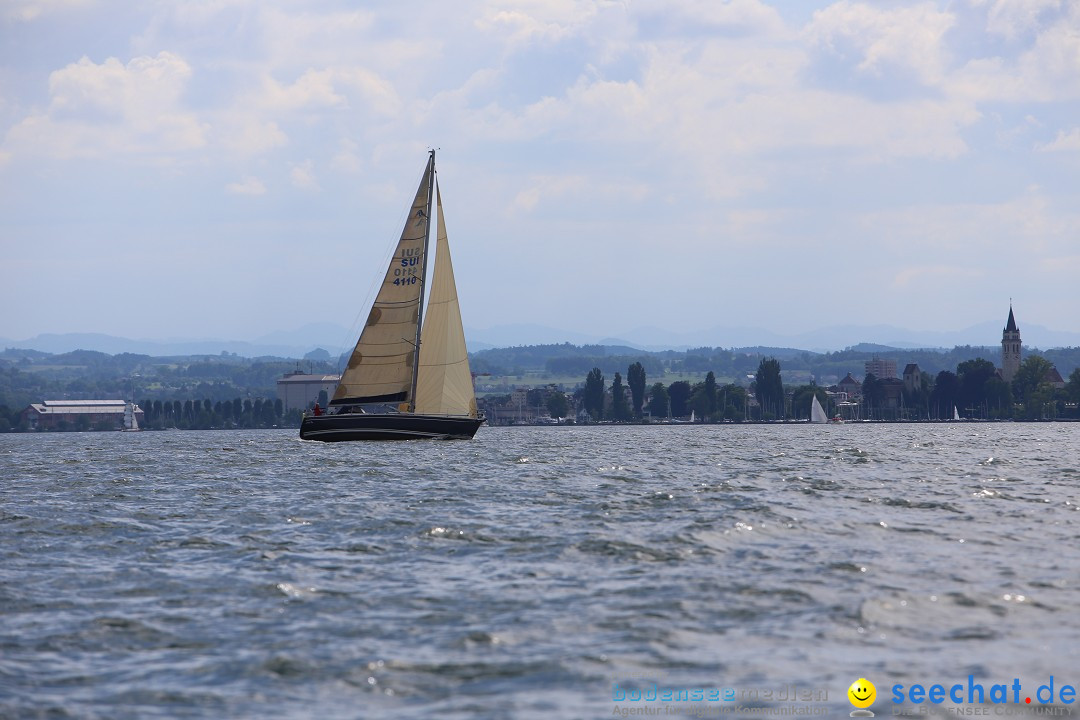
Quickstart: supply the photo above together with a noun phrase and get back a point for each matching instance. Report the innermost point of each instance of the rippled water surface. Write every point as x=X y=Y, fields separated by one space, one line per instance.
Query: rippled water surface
x=529 y=571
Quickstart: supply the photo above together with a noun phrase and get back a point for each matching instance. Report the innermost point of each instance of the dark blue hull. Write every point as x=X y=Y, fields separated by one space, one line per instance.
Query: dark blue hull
x=371 y=426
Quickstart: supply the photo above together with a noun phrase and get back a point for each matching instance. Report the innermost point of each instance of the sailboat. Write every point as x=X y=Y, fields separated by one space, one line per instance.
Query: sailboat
x=955 y=413
x=408 y=376
x=817 y=413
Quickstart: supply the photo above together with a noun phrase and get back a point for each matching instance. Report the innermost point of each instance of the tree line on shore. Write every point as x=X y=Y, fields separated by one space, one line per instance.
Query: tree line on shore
x=202 y=414
x=974 y=391
x=222 y=414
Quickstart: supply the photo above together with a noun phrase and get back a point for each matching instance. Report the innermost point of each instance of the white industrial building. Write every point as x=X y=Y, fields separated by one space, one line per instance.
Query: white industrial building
x=299 y=390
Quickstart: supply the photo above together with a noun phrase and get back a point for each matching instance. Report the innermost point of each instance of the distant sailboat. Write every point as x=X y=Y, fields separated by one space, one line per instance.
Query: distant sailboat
x=817 y=413
x=955 y=414
x=408 y=376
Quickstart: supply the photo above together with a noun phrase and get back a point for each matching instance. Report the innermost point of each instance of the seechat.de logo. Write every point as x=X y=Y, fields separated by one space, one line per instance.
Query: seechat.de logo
x=862 y=694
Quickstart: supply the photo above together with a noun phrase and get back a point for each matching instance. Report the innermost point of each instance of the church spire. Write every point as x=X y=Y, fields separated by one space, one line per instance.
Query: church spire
x=1011 y=325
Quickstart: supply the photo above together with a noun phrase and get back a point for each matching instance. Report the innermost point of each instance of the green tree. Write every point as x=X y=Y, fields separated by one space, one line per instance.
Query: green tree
x=658 y=401
x=593 y=396
x=1031 y=374
x=268 y=418
x=999 y=401
x=873 y=392
x=557 y=404
x=698 y=404
x=769 y=387
x=1072 y=390
x=944 y=397
x=635 y=378
x=973 y=377
x=733 y=402
x=1031 y=389
x=710 y=395
x=620 y=409
x=679 y=395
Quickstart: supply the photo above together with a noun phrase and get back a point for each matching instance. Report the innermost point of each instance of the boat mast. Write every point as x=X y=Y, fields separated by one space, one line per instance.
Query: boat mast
x=423 y=281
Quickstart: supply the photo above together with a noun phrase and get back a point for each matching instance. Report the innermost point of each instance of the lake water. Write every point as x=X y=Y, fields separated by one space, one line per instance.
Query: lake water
x=535 y=572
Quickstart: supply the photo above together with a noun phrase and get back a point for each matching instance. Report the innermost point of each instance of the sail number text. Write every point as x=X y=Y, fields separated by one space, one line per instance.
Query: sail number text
x=407 y=272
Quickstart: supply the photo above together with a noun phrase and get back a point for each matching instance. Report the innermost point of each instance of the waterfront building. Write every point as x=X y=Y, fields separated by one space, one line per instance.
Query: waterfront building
x=850 y=386
x=299 y=390
x=79 y=415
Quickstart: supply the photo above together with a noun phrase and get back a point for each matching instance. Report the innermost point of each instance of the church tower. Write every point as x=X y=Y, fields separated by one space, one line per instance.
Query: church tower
x=1010 y=348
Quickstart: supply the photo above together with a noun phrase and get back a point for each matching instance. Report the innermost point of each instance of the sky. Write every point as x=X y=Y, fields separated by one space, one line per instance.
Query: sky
x=234 y=168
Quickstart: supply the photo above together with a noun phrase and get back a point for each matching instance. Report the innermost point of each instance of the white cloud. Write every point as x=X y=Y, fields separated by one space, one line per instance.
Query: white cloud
x=1065 y=141
x=111 y=108
x=906 y=37
x=547 y=188
x=248 y=186
x=347 y=158
x=311 y=90
x=539 y=21
x=574 y=189
x=303 y=175
x=329 y=88
x=1011 y=18
x=244 y=133
x=747 y=15
x=1047 y=69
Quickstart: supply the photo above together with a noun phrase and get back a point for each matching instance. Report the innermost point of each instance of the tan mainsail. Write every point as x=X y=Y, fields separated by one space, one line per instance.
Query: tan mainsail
x=381 y=366
x=444 y=385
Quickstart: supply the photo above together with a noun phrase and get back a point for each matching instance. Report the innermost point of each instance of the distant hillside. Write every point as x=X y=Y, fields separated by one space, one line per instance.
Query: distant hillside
x=575 y=361
x=295 y=344
x=821 y=339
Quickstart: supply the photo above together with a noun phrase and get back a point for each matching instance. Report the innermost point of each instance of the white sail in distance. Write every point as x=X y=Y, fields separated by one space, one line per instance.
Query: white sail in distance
x=380 y=368
x=444 y=383
x=817 y=413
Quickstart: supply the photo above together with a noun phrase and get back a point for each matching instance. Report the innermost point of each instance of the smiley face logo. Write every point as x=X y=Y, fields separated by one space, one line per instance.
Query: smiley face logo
x=862 y=693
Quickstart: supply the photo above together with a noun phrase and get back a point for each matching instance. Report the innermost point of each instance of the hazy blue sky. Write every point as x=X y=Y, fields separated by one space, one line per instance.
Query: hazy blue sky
x=230 y=168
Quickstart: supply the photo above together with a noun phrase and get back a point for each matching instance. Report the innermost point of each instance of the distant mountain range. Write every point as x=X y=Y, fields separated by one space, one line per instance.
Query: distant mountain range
x=281 y=344
x=336 y=339
x=831 y=338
